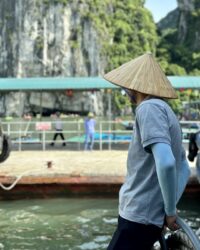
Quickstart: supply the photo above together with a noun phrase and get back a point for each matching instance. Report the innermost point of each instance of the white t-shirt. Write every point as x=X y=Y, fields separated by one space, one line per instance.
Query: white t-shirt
x=58 y=125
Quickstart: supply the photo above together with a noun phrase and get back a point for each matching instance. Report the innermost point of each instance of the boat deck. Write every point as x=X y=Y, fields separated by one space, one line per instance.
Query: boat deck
x=52 y=173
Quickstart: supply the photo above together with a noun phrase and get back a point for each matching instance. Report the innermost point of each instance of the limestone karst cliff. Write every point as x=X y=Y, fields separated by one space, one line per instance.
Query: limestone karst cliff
x=70 y=38
x=186 y=20
x=40 y=38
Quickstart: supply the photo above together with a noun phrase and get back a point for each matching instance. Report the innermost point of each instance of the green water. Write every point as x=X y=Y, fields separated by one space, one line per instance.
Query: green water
x=70 y=224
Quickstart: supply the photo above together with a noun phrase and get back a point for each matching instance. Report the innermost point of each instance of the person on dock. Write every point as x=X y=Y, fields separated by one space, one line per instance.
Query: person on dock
x=194 y=151
x=89 y=125
x=58 y=129
x=157 y=168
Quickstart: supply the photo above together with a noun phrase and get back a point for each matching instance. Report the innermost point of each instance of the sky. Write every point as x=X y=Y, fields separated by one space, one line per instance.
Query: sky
x=160 y=8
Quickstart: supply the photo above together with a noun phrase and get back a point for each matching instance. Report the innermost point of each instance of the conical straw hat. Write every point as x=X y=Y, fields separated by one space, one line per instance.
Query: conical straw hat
x=143 y=74
x=90 y=114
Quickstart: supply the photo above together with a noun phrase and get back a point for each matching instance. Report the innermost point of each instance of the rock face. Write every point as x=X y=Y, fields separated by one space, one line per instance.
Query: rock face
x=68 y=38
x=186 y=20
x=19 y=103
x=186 y=7
x=170 y=21
x=38 y=38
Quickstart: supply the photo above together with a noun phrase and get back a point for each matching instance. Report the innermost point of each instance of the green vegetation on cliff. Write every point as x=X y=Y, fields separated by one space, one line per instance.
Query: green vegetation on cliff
x=179 y=49
x=126 y=29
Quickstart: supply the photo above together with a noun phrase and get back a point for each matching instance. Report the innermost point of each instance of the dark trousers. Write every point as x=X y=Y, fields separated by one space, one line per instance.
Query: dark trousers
x=58 y=133
x=134 y=236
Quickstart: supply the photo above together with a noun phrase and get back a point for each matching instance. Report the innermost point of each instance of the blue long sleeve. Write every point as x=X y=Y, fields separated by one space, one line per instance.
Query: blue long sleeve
x=166 y=172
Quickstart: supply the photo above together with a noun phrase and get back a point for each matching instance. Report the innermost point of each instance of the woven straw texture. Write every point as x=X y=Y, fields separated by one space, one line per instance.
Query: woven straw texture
x=144 y=75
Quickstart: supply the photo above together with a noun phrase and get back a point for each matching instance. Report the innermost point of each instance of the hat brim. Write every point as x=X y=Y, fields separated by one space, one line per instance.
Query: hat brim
x=143 y=75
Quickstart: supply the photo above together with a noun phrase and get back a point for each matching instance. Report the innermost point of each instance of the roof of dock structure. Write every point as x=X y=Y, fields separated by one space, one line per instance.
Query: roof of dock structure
x=80 y=83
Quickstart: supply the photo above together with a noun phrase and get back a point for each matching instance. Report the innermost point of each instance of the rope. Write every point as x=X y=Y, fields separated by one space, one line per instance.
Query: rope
x=7 y=188
x=184 y=239
x=15 y=182
x=48 y=165
x=191 y=235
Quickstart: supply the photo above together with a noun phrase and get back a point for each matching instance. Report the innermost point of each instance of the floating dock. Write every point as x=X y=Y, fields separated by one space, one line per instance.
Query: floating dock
x=46 y=174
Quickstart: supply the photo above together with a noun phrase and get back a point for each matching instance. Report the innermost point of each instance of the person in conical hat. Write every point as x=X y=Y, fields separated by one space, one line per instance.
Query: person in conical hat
x=90 y=115
x=157 y=169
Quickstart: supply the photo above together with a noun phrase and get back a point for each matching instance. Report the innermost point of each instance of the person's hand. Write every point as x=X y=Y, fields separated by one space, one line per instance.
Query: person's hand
x=171 y=223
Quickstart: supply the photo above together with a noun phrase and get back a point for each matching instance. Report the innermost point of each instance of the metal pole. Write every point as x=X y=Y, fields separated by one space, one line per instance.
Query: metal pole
x=100 y=135
x=20 y=139
x=20 y=126
x=79 y=133
x=43 y=140
x=41 y=105
x=8 y=128
x=40 y=135
x=109 y=117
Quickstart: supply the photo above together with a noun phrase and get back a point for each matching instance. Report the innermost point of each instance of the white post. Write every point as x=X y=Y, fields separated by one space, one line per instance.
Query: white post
x=43 y=140
x=110 y=134
x=8 y=129
x=100 y=135
x=20 y=139
x=79 y=129
x=109 y=117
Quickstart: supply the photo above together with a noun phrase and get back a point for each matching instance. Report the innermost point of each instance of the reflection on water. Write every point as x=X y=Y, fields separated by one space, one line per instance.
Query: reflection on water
x=71 y=224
